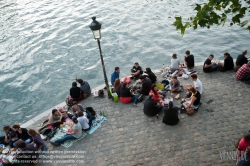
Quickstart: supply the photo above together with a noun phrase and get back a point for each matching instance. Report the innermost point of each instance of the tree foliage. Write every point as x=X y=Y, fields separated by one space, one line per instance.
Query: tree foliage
x=217 y=12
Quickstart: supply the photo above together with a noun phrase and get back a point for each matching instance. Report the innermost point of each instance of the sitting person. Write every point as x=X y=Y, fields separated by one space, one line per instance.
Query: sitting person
x=115 y=75
x=174 y=85
x=151 y=75
x=145 y=86
x=126 y=95
x=197 y=83
x=170 y=115
x=189 y=60
x=157 y=96
x=84 y=121
x=55 y=117
x=84 y=87
x=117 y=86
x=22 y=134
x=27 y=153
x=75 y=93
x=151 y=108
x=243 y=73
x=37 y=141
x=74 y=133
x=136 y=71
x=174 y=63
x=194 y=101
x=77 y=108
x=188 y=92
x=228 y=63
x=10 y=137
x=241 y=59
x=209 y=66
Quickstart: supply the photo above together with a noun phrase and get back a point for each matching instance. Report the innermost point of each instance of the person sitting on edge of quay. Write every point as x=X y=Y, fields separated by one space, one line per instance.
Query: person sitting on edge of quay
x=10 y=137
x=157 y=96
x=197 y=83
x=126 y=96
x=228 y=63
x=151 y=75
x=22 y=134
x=84 y=87
x=74 y=133
x=27 y=150
x=145 y=86
x=174 y=85
x=114 y=75
x=189 y=60
x=117 y=86
x=241 y=59
x=151 y=108
x=244 y=159
x=75 y=93
x=209 y=66
x=38 y=141
x=136 y=71
x=84 y=121
x=243 y=73
x=174 y=63
x=194 y=101
x=77 y=108
x=170 y=114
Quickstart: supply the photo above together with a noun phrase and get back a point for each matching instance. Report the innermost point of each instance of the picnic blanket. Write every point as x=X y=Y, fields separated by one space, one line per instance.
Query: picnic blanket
x=96 y=124
x=59 y=134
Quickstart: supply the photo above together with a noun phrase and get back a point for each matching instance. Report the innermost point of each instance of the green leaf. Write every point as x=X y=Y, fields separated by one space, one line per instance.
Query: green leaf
x=178 y=23
x=198 y=7
x=243 y=10
x=218 y=7
x=244 y=23
x=236 y=19
x=248 y=28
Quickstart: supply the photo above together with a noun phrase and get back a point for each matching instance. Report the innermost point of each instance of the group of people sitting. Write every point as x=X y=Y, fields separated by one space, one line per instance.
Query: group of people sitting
x=81 y=117
x=29 y=143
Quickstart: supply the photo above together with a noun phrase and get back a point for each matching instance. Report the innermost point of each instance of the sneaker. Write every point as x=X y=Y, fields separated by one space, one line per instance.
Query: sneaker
x=135 y=105
x=157 y=116
x=53 y=143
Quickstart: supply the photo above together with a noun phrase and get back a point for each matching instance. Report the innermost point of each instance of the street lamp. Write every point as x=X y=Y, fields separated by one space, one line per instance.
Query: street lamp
x=95 y=26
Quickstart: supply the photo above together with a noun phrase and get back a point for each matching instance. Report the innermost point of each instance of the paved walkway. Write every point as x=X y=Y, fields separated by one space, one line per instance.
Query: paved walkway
x=130 y=138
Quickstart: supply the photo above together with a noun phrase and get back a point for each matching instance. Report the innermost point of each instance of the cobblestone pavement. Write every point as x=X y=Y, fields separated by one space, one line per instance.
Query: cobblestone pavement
x=130 y=138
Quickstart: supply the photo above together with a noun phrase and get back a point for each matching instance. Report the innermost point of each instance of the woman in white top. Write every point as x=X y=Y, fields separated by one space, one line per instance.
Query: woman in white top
x=74 y=133
x=174 y=63
x=84 y=121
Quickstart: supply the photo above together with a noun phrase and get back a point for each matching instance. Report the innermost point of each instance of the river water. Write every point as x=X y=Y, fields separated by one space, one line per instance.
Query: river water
x=45 y=44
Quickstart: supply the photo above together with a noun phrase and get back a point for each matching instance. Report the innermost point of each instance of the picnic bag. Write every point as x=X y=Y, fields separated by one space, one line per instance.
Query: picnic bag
x=127 y=80
x=52 y=133
x=101 y=93
x=190 y=111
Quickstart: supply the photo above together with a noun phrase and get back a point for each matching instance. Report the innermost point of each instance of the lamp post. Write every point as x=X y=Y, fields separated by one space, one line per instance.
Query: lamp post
x=95 y=26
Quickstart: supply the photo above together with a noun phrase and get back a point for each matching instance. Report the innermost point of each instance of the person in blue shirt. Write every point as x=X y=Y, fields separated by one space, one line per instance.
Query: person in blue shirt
x=115 y=75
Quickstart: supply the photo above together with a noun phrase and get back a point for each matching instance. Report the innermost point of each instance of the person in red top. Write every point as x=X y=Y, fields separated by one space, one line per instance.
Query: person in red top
x=244 y=72
x=157 y=96
x=243 y=144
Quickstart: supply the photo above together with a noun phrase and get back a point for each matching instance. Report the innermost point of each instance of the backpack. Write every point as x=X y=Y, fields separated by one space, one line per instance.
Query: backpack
x=101 y=93
x=52 y=133
x=70 y=103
